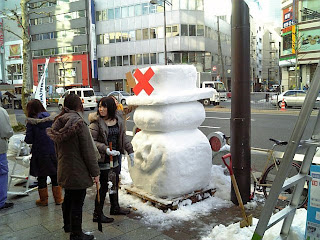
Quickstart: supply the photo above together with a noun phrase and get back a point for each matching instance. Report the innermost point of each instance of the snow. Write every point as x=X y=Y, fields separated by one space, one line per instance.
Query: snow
x=186 y=212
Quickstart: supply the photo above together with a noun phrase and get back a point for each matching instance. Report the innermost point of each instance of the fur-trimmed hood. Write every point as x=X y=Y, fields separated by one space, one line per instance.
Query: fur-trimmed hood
x=66 y=126
x=93 y=117
x=42 y=117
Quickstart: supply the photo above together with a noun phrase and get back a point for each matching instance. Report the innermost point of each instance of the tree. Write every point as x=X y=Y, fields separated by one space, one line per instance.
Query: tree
x=22 y=21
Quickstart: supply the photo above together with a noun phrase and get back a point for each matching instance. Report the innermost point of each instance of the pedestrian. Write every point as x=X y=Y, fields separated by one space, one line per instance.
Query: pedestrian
x=43 y=162
x=105 y=127
x=5 y=133
x=77 y=162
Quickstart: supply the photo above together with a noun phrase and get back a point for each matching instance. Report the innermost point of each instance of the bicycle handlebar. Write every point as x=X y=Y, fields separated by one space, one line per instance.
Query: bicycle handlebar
x=229 y=166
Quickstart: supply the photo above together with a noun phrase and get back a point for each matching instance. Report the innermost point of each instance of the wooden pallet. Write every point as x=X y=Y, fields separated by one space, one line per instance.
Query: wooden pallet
x=165 y=203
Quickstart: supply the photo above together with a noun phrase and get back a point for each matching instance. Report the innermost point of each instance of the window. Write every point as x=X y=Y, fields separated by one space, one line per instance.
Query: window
x=200 y=5
x=153 y=58
x=146 y=58
x=175 y=30
x=192 y=30
x=133 y=60
x=112 y=61
x=168 y=31
x=145 y=33
x=112 y=37
x=160 y=32
x=138 y=10
x=118 y=36
x=106 y=62
x=184 y=30
x=106 y=38
x=185 y=57
x=131 y=11
x=117 y=13
x=124 y=36
x=110 y=14
x=145 y=8
x=153 y=33
x=132 y=35
x=183 y=4
x=119 y=61
x=177 y=58
x=125 y=60
x=124 y=12
x=192 y=4
x=200 y=30
x=138 y=59
x=192 y=57
x=100 y=62
x=138 y=34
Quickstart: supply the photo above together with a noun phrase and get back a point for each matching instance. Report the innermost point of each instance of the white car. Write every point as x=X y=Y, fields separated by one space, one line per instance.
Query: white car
x=87 y=96
x=121 y=96
x=292 y=98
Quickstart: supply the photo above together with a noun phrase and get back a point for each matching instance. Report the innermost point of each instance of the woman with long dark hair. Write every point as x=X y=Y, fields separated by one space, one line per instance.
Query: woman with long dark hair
x=43 y=161
x=105 y=127
x=77 y=162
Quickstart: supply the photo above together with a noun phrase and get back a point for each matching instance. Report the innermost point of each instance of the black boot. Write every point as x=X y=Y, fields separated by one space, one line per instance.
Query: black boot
x=115 y=209
x=104 y=219
x=81 y=236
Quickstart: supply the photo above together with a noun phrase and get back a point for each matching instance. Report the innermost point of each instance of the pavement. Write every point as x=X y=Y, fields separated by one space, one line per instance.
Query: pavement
x=28 y=221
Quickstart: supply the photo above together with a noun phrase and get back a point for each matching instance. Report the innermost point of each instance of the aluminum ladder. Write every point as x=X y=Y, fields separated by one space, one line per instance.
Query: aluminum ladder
x=267 y=220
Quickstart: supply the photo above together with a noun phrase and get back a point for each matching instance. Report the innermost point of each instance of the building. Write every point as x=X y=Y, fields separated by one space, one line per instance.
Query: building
x=10 y=45
x=130 y=35
x=271 y=47
x=62 y=30
x=300 y=46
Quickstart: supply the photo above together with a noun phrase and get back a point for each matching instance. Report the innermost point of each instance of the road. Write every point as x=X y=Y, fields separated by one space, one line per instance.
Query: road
x=263 y=126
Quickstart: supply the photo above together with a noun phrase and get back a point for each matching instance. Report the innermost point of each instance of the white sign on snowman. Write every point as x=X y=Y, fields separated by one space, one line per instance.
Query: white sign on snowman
x=172 y=156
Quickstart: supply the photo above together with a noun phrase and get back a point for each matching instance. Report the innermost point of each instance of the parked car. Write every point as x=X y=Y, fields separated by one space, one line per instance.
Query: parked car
x=99 y=95
x=53 y=98
x=292 y=98
x=121 y=96
x=87 y=96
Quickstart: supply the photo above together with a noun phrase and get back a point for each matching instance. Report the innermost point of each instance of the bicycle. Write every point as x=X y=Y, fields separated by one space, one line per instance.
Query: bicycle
x=264 y=181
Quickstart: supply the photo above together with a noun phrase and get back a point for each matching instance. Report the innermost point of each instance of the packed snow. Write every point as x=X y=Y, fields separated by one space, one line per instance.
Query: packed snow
x=187 y=212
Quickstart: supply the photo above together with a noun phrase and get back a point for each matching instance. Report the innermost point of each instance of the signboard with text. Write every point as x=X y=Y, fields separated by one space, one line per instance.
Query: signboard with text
x=287 y=19
x=313 y=214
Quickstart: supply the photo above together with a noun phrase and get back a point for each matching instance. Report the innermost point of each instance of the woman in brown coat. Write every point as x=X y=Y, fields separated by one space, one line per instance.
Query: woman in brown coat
x=77 y=162
x=105 y=127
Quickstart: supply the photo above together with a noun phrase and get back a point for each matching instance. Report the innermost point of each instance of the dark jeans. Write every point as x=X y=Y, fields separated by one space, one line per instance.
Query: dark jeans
x=104 y=185
x=72 y=209
x=42 y=181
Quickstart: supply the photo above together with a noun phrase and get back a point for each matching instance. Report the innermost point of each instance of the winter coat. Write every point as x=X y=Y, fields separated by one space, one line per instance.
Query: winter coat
x=75 y=149
x=5 y=130
x=43 y=161
x=99 y=132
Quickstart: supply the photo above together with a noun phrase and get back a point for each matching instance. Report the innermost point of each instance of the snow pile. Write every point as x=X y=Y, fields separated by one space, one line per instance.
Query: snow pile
x=234 y=232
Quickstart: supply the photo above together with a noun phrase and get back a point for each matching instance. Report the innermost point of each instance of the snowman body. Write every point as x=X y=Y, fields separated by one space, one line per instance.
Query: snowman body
x=172 y=156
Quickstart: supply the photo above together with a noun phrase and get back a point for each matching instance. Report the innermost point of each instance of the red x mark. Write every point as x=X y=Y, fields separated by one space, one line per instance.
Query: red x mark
x=143 y=81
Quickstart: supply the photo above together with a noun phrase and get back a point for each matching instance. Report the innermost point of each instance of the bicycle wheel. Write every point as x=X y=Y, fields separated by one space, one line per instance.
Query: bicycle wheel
x=285 y=197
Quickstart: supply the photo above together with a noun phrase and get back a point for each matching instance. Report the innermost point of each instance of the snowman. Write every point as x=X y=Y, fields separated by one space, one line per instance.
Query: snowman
x=172 y=156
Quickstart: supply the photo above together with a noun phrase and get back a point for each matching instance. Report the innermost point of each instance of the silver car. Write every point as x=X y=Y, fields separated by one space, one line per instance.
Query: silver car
x=121 y=96
x=292 y=98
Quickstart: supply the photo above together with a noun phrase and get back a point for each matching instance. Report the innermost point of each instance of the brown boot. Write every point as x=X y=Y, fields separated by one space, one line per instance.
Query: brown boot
x=57 y=194
x=43 y=193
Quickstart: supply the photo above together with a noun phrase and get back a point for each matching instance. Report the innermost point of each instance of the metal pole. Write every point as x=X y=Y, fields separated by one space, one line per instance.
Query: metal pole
x=240 y=104
x=165 y=33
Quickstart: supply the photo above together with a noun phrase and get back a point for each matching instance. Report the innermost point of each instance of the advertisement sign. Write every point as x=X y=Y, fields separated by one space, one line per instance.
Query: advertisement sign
x=310 y=40
x=93 y=40
x=1 y=35
x=15 y=51
x=287 y=19
x=313 y=214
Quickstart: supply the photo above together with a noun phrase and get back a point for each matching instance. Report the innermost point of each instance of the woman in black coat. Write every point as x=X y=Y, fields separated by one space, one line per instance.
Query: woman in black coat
x=43 y=161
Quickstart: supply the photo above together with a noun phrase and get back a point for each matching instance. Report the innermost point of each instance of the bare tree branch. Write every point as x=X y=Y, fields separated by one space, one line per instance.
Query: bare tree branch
x=12 y=32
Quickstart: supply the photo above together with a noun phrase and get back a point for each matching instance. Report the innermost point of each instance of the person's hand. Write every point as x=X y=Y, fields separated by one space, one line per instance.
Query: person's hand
x=96 y=179
x=131 y=155
x=112 y=152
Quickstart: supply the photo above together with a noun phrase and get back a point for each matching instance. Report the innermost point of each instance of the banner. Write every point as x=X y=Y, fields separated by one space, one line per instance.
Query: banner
x=41 y=89
x=1 y=36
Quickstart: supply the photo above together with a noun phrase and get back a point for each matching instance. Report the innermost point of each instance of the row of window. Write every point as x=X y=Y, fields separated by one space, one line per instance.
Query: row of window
x=153 y=33
x=14 y=71
x=59 y=34
x=145 y=9
x=59 y=17
x=60 y=50
x=50 y=3
x=156 y=58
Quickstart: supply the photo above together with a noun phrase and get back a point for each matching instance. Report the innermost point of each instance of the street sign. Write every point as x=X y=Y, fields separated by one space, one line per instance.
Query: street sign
x=214 y=68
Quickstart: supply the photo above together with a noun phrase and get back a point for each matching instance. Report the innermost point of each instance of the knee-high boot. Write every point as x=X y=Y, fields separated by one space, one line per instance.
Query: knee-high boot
x=115 y=208
x=57 y=194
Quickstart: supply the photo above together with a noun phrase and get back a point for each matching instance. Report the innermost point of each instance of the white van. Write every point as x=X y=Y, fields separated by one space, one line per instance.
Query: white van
x=87 y=96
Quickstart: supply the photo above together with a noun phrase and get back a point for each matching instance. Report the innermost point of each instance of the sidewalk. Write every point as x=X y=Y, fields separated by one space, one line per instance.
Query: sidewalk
x=28 y=221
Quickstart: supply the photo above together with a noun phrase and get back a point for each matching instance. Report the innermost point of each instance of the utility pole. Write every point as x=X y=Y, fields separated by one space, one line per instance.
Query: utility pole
x=221 y=56
x=240 y=104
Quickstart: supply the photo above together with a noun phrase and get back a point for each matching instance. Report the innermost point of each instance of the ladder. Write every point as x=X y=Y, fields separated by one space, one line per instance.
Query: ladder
x=266 y=221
